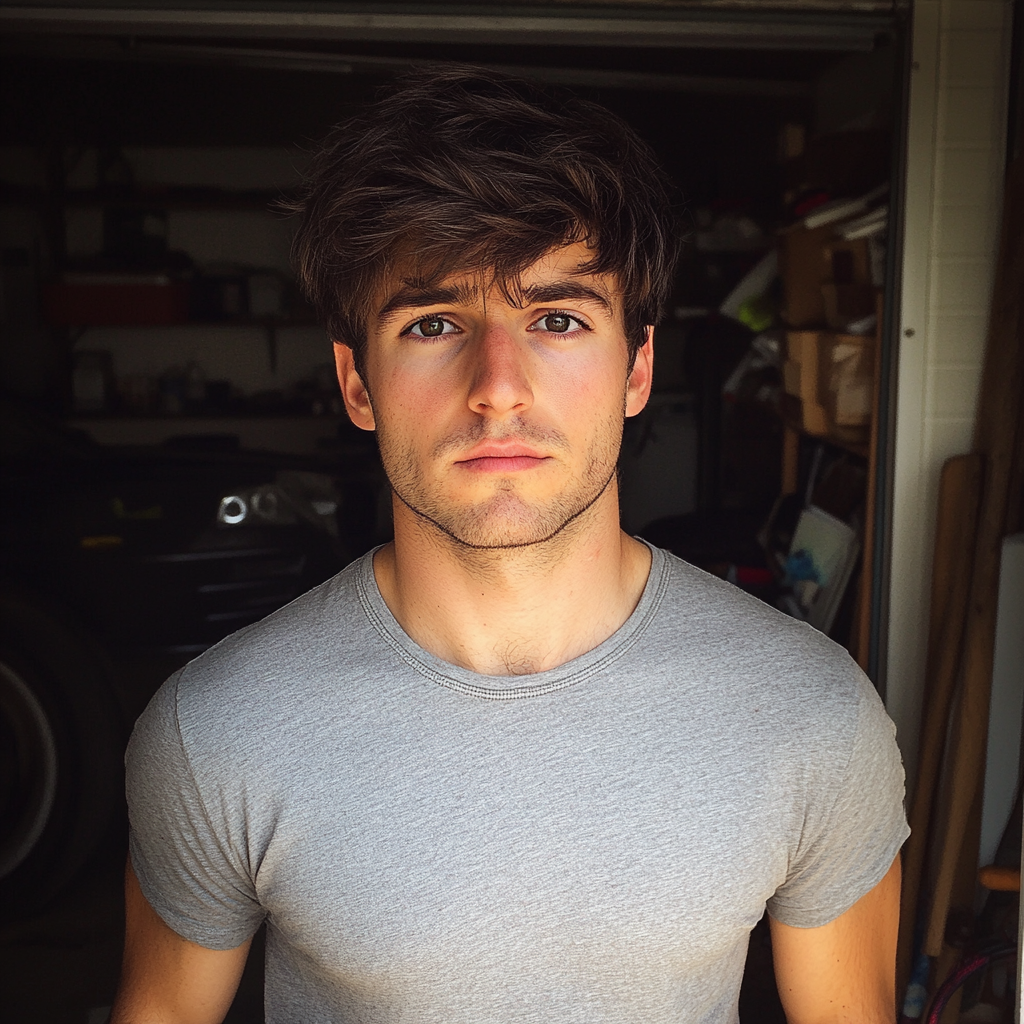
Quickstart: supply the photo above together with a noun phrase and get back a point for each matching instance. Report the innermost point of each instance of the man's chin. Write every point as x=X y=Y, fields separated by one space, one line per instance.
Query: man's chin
x=503 y=540
x=494 y=533
x=506 y=524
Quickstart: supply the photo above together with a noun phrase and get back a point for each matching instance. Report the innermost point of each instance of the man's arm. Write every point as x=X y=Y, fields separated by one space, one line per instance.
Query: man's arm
x=166 y=979
x=844 y=971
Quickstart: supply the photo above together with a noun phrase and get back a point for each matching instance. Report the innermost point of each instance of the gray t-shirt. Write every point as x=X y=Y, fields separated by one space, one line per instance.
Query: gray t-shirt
x=588 y=844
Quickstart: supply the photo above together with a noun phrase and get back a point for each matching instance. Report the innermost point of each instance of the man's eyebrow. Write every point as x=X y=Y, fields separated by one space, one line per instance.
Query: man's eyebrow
x=464 y=294
x=552 y=292
x=411 y=297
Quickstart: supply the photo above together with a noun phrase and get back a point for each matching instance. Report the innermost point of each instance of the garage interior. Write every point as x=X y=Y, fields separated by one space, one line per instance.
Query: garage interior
x=181 y=461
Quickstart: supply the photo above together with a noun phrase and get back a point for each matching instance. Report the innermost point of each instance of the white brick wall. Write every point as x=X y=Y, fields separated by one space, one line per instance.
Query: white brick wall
x=954 y=188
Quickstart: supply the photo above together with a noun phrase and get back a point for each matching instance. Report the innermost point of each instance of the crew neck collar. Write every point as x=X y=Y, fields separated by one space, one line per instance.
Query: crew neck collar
x=495 y=687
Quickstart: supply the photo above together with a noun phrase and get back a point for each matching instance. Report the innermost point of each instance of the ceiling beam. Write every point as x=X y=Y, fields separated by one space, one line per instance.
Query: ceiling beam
x=554 y=25
x=146 y=51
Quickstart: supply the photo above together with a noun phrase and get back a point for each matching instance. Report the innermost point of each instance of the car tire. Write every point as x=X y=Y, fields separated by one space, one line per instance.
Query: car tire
x=61 y=749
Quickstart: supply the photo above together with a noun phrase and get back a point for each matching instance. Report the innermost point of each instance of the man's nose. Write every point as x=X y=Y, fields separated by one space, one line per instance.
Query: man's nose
x=501 y=384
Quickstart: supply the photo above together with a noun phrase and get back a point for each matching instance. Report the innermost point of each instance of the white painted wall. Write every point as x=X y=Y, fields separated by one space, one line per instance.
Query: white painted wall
x=955 y=166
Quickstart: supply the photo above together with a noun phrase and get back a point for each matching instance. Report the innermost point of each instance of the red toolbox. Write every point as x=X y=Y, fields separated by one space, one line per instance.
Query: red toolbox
x=115 y=300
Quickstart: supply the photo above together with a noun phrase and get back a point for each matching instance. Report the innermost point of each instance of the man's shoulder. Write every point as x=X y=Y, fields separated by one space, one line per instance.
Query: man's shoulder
x=734 y=643
x=294 y=651
x=767 y=682
x=706 y=606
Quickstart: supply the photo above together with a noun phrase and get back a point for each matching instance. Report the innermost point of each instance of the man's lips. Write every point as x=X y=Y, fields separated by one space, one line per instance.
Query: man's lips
x=497 y=457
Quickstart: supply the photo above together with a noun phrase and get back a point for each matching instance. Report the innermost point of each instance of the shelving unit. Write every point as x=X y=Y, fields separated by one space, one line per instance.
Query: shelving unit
x=137 y=323
x=793 y=432
x=284 y=433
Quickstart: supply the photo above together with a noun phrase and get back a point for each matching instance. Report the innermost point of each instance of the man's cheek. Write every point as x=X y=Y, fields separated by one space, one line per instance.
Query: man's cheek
x=580 y=385
x=403 y=406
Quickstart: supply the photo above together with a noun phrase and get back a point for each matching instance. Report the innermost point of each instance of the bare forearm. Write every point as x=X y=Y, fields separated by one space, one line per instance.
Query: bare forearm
x=844 y=972
x=165 y=979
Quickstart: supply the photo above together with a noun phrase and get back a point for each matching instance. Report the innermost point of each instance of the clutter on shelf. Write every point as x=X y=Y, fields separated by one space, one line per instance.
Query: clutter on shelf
x=216 y=293
x=821 y=558
x=832 y=264
x=186 y=391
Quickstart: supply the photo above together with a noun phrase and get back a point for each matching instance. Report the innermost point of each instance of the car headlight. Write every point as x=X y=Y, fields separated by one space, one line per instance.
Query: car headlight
x=265 y=505
x=294 y=497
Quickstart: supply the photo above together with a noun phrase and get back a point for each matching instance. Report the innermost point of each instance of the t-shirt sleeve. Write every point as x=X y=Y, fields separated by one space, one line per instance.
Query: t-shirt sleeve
x=192 y=873
x=851 y=838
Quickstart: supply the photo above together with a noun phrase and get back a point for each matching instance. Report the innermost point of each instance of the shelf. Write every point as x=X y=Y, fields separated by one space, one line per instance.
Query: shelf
x=294 y=434
x=263 y=322
x=858 y=448
x=192 y=418
x=167 y=198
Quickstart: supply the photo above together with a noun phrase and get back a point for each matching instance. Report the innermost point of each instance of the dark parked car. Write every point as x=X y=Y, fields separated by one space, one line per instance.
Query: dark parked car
x=106 y=550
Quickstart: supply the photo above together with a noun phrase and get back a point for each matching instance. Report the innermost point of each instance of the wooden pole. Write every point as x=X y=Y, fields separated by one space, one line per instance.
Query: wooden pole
x=862 y=620
x=961 y=914
x=790 y=459
x=959 y=497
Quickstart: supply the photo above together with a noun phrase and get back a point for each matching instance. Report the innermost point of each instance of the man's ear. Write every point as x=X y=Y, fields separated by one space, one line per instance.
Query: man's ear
x=353 y=390
x=638 y=387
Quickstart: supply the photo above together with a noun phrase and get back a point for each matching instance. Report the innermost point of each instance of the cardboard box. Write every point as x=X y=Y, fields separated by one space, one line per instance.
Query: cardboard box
x=832 y=375
x=826 y=280
x=803 y=268
x=847 y=303
x=801 y=378
x=849 y=260
x=846 y=366
x=791 y=378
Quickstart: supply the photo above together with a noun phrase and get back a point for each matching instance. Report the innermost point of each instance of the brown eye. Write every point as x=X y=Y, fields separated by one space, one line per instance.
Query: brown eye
x=559 y=323
x=432 y=327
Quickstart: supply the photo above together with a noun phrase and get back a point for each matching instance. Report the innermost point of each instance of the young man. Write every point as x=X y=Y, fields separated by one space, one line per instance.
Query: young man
x=515 y=765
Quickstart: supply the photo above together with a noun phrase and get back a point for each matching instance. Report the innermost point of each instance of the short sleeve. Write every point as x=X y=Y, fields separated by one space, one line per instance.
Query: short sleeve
x=848 y=844
x=187 y=869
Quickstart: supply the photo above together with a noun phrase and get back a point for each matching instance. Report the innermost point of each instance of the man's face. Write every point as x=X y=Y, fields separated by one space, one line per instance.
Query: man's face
x=500 y=424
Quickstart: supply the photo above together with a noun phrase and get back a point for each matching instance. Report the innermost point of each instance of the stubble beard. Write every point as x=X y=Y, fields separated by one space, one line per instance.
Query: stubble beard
x=505 y=520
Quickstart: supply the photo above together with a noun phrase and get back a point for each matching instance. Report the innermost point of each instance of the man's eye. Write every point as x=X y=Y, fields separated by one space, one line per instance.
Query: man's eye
x=432 y=327
x=558 y=323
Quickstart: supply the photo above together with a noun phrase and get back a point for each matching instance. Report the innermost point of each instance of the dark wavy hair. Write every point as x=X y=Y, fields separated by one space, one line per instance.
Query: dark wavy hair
x=467 y=170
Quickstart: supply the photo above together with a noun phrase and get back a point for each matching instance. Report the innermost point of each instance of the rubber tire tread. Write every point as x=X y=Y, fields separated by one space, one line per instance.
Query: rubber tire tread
x=69 y=675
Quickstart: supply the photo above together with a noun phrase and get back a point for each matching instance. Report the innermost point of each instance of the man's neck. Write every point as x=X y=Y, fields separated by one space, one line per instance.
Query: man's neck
x=513 y=611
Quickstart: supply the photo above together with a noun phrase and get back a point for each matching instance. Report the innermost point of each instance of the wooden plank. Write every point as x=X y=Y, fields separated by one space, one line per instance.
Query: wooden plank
x=862 y=649
x=956 y=525
x=962 y=915
x=790 y=459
